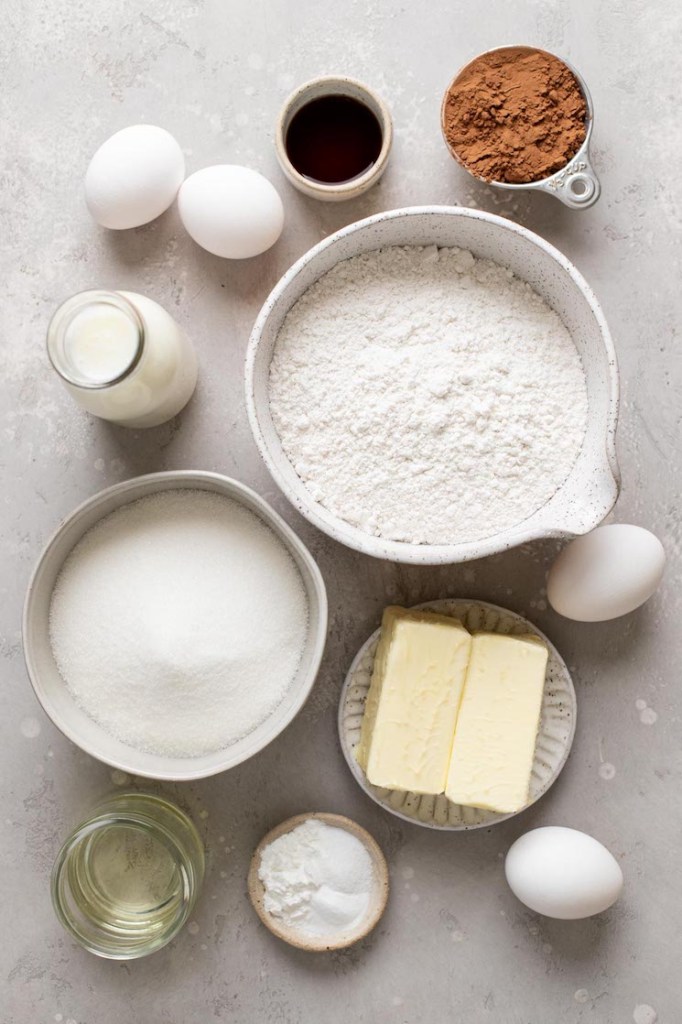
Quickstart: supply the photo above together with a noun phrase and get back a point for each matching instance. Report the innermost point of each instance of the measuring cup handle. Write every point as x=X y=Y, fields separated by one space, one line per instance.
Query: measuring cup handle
x=576 y=185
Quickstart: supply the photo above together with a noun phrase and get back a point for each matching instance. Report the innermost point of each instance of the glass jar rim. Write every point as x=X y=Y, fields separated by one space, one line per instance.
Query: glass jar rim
x=64 y=316
x=97 y=822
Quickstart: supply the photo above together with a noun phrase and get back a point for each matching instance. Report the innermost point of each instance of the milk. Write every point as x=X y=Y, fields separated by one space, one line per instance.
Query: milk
x=122 y=357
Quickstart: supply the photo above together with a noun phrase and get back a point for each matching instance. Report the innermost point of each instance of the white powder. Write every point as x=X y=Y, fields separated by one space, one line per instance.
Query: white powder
x=423 y=395
x=318 y=879
x=178 y=622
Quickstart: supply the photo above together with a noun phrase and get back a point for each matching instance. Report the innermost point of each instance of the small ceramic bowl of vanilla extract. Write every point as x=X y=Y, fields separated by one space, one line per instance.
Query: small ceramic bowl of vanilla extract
x=333 y=138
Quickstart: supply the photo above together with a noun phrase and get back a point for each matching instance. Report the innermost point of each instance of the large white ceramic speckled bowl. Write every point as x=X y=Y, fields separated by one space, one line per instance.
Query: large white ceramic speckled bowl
x=591 y=489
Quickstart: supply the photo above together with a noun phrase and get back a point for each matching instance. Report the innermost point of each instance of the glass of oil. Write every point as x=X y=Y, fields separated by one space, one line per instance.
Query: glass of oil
x=127 y=878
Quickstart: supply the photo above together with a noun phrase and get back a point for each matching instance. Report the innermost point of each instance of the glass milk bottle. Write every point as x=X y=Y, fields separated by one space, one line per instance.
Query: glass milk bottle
x=122 y=357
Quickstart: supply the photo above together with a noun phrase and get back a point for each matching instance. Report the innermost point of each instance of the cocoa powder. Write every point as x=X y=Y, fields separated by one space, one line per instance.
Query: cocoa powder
x=515 y=115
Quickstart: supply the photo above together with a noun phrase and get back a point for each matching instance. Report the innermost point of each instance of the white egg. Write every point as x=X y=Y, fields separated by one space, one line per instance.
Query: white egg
x=134 y=177
x=563 y=873
x=231 y=211
x=606 y=573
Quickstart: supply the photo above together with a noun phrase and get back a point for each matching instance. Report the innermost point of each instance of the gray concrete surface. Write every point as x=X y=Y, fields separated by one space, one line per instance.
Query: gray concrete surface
x=454 y=945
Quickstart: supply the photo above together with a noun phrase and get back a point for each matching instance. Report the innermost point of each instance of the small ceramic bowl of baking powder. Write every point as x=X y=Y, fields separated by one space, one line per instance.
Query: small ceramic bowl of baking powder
x=58 y=701
x=342 y=938
x=360 y=96
x=576 y=184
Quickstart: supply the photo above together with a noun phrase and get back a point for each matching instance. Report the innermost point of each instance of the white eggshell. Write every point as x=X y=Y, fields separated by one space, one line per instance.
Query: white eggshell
x=607 y=573
x=134 y=177
x=563 y=873
x=231 y=211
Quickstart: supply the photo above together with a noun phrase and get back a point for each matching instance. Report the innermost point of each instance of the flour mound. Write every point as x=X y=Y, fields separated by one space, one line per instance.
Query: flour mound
x=427 y=396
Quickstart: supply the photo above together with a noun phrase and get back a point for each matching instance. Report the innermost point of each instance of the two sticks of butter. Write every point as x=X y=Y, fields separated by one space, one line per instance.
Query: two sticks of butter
x=451 y=712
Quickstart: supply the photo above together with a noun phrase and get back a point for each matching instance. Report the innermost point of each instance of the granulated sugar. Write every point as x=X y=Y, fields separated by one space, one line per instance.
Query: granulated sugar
x=426 y=396
x=178 y=622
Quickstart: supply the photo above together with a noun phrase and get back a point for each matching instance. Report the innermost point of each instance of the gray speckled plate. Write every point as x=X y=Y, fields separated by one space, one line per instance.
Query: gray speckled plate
x=555 y=735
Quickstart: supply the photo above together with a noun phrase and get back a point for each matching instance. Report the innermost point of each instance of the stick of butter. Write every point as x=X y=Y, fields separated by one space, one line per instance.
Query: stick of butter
x=494 y=745
x=413 y=700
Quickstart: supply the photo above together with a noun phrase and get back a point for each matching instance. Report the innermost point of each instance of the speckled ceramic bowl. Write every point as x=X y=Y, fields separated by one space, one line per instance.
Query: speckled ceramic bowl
x=342 y=939
x=590 y=490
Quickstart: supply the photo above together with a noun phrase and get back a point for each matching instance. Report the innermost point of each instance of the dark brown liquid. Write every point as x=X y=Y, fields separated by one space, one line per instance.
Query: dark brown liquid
x=333 y=139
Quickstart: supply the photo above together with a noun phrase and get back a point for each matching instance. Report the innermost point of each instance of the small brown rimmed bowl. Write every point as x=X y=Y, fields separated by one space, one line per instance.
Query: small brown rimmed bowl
x=308 y=942
x=334 y=85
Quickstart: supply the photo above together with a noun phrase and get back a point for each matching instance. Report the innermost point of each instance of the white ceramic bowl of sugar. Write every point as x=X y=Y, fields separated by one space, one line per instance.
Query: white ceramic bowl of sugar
x=51 y=689
x=590 y=490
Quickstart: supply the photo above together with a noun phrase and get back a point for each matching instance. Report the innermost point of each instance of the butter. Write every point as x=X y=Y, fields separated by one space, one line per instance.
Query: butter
x=413 y=700
x=494 y=745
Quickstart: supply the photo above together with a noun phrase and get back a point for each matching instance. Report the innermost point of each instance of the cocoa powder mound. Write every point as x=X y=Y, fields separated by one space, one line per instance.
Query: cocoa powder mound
x=517 y=115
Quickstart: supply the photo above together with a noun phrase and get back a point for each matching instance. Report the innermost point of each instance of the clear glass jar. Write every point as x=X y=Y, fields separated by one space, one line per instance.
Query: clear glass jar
x=127 y=878
x=122 y=357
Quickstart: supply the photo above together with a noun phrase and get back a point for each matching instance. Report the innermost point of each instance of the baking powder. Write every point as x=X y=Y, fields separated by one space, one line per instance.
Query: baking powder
x=178 y=622
x=426 y=396
x=318 y=879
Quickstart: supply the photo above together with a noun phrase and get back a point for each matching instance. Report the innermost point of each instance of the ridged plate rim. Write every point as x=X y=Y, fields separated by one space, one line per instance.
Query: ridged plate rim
x=559 y=712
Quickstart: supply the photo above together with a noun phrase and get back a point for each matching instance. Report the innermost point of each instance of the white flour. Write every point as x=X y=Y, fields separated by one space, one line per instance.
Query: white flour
x=178 y=622
x=318 y=879
x=423 y=395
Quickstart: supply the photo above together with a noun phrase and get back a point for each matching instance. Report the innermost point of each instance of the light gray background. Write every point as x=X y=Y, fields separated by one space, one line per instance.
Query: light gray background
x=454 y=945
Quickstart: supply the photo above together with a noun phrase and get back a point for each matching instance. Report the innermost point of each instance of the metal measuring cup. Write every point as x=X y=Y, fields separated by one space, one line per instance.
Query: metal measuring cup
x=576 y=185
